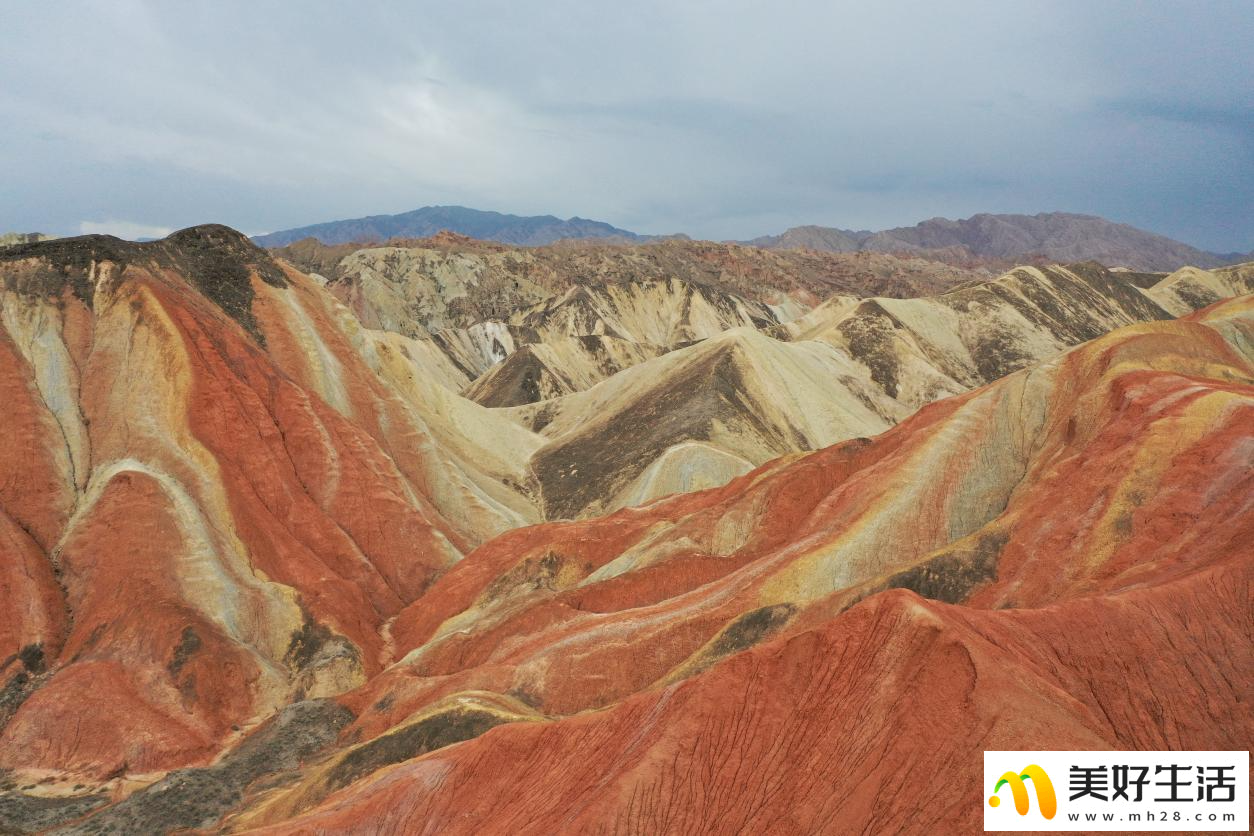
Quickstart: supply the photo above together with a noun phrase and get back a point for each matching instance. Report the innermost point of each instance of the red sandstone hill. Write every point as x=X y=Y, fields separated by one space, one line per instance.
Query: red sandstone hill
x=258 y=572
x=1059 y=560
x=209 y=504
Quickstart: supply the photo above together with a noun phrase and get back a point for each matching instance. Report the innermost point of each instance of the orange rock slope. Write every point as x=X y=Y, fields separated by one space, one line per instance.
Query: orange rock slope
x=197 y=531
x=219 y=503
x=765 y=657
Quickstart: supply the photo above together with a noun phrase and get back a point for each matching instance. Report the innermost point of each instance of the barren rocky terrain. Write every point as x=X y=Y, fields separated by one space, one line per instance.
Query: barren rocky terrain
x=448 y=536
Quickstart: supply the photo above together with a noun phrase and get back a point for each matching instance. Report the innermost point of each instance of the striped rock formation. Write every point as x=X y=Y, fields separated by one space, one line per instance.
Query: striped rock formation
x=479 y=301
x=215 y=490
x=697 y=416
x=262 y=567
x=653 y=316
x=423 y=286
x=1189 y=289
x=1058 y=560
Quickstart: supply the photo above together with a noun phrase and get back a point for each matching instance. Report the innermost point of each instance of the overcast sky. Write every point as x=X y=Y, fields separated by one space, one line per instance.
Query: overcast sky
x=719 y=119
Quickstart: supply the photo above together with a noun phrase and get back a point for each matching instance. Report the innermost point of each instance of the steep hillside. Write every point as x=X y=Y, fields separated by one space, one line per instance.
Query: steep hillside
x=1189 y=289
x=557 y=366
x=596 y=332
x=216 y=491
x=450 y=281
x=1004 y=568
x=479 y=302
x=694 y=418
x=699 y=415
x=921 y=349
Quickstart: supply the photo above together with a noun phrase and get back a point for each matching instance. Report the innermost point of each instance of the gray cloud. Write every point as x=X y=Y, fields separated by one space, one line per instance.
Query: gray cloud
x=1238 y=119
x=726 y=119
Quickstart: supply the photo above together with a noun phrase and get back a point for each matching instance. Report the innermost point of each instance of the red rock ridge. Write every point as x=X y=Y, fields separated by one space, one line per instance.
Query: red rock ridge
x=764 y=660
x=198 y=524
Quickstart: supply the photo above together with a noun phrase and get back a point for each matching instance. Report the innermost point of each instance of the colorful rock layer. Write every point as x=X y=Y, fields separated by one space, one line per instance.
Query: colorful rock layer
x=260 y=567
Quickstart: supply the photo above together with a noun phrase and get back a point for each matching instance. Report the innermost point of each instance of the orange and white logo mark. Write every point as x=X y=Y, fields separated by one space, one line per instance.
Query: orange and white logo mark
x=1099 y=791
x=1046 y=800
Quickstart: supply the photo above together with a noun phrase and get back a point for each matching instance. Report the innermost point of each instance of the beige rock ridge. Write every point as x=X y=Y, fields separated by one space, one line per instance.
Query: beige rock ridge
x=661 y=313
x=728 y=403
x=589 y=334
x=984 y=330
x=616 y=414
x=653 y=315
x=479 y=302
x=920 y=349
x=1190 y=289
x=851 y=367
x=451 y=280
x=417 y=291
x=559 y=366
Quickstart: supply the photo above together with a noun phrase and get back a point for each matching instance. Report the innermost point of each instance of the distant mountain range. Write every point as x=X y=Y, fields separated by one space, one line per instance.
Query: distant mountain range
x=1048 y=237
x=1053 y=236
x=529 y=231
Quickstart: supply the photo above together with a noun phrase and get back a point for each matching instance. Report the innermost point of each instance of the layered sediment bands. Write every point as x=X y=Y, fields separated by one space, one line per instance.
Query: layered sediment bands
x=920 y=349
x=36 y=499
x=452 y=720
x=542 y=371
x=216 y=490
x=201 y=797
x=1190 y=289
x=458 y=462
x=480 y=301
x=423 y=286
x=807 y=734
x=663 y=313
x=216 y=260
x=262 y=566
x=698 y=415
x=642 y=389
x=416 y=292
x=762 y=652
x=847 y=516
x=739 y=397
x=629 y=321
